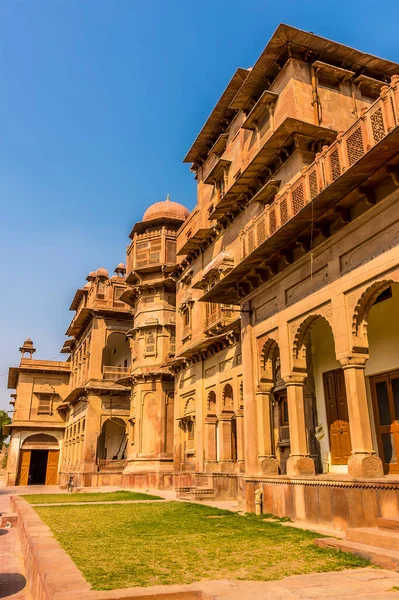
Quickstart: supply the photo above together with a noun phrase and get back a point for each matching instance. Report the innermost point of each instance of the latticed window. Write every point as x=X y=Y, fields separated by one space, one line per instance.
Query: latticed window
x=335 y=165
x=272 y=221
x=283 y=211
x=172 y=343
x=261 y=230
x=251 y=239
x=150 y=342
x=354 y=146
x=298 y=199
x=313 y=184
x=170 y=251
x=148 y=252
x=377 y=125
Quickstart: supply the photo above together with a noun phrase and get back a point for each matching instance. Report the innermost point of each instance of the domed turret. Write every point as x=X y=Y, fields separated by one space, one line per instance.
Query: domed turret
x=27 y=348
x=166 y=210
x=101 y=272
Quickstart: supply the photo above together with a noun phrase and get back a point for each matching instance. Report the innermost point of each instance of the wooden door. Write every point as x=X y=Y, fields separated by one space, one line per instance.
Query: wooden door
x=337 y=416
x=24 y=466
x=52 y=467
x=385 y=394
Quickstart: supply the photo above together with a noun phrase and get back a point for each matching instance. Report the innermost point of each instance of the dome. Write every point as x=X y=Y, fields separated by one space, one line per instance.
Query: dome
x=166 y=210
x=101 y=272
x=120 y=266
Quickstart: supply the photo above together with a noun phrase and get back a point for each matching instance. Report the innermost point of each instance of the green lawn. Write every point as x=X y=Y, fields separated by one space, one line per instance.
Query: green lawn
x=117 y=546
x=88 y=497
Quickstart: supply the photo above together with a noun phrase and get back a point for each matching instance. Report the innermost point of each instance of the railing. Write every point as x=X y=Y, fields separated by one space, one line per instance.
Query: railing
x=222 y=316
x=374 y=124
x=111 y=465
x=114 y=373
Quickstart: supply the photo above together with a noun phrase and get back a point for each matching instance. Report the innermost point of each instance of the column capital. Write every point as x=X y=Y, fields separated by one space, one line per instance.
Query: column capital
x=353 y=361
x=294 y=379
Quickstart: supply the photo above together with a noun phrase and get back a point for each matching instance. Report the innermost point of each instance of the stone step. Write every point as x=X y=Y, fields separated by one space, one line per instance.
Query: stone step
x=391 y=523
x=373 y=536
x=387 y=559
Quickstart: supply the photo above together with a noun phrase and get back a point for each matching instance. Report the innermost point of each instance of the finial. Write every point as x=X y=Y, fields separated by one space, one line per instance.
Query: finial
x=167 y=197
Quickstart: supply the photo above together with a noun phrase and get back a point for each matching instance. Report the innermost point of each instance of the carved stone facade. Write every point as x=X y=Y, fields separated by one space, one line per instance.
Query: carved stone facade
x=262 y=328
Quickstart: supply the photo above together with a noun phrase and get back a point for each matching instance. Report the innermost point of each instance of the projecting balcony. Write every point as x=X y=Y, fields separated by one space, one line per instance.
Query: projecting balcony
x=115 y=465
x=114 y=373
x=367 y=146
x=191 y=233
x=219 y=318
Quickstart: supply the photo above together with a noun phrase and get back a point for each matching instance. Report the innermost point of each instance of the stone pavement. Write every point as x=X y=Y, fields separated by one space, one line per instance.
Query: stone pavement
x=356 y=584
x=12 y=572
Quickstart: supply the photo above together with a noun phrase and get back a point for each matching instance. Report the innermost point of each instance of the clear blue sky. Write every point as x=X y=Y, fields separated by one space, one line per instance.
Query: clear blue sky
x=99 y=102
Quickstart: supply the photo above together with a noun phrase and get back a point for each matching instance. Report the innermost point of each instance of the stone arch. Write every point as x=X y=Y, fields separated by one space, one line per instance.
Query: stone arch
x=211 y=403
x=299 y=347
x=268 y=352
x=41 y=440
x=228 y=397
x=362 y=310
x=111 y=443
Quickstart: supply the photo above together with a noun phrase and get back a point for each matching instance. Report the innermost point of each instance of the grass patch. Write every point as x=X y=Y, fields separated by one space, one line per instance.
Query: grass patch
x=88 y=497
x=119 y=546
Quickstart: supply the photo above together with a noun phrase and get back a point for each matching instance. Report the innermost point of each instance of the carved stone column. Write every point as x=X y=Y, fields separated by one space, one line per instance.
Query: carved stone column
x=299 y=462
x=363 y=462
x=210 y=444
x=225 y=439
x=268 y=463
x=240 y=440
x=250 y=421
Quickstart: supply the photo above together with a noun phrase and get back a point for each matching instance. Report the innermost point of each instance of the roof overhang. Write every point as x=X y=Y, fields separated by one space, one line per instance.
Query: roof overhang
x=141 y=226
x=79 y=294
x=324 y=48
x=220 y=111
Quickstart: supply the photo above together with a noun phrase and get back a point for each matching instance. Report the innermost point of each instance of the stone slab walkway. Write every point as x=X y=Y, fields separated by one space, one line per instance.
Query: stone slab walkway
x=12 y=571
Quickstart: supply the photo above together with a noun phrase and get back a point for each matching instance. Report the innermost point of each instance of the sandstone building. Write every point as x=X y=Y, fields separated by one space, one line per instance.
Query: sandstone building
x=251 y=344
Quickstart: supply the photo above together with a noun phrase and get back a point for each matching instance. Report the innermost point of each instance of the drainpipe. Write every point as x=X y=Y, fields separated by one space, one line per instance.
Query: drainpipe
x=315 y=96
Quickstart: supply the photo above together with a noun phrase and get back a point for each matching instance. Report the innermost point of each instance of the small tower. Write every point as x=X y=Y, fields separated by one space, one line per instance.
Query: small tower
x=27 y=348
x=120 y=270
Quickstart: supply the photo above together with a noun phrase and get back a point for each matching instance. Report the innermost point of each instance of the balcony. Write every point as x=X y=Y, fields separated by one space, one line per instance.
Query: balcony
x=191 y=233
x=115 y=466
x=367 y=146
x=220 y=318
x=112 y=373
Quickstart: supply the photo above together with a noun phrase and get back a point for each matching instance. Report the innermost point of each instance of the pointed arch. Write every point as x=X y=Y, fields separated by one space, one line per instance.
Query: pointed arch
x=362 y=310
x=299 y=347
x=268 y=353
x=228 y=397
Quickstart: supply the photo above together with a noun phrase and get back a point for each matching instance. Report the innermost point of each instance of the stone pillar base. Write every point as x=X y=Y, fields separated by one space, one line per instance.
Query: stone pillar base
x=365 y=465
x=300 y=465
x=268 y=465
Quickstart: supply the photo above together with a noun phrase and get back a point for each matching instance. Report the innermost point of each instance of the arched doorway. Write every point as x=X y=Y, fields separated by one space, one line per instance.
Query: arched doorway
x=325 y=401
x=381 y=323
x=112 y=442
x=39 y=457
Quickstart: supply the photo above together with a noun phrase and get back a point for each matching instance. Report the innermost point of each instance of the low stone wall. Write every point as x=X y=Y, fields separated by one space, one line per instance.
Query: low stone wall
x=52 y=575
x=334 y=504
